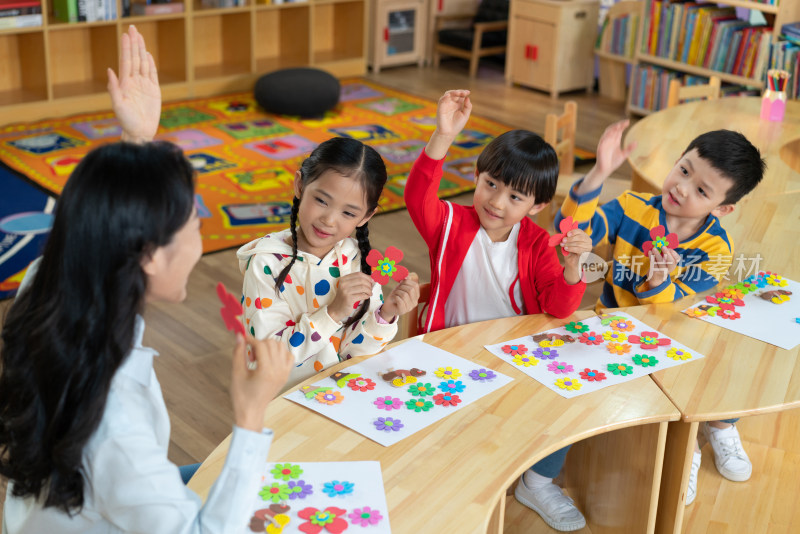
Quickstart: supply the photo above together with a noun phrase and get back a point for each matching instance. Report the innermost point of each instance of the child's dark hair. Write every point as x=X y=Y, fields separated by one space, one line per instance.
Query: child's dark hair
x=735 y=157
x=523 y=161
x=69 y=331
x=351 y=158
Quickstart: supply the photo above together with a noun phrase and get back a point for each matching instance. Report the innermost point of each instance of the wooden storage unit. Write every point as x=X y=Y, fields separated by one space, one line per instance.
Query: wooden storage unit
x=613 y=68
x=776 y=15
x=397 y=32
x=550 y=44
x=60 y=68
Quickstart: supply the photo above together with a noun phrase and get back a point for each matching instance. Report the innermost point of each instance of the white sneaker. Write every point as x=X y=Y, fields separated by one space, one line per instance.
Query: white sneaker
x=691 y=491
x=729 y=456
x=555 y=508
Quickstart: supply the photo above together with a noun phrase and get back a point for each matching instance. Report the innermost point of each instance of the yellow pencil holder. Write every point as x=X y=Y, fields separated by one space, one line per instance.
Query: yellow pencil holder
x=773 y=105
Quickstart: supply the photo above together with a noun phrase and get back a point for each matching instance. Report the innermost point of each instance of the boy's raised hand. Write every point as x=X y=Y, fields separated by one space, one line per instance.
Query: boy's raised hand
x=402 y=299
x=610 y=155
x=576 y=242
x=452 y=114
x=135 y=94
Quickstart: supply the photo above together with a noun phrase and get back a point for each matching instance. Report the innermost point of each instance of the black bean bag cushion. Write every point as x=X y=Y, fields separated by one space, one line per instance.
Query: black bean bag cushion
x=301 y=91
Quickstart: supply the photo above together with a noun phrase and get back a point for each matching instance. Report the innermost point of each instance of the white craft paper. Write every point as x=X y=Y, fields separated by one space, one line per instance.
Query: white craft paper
x=358 y=412
x=763 y=320
x=367 y=491
x=593 y=357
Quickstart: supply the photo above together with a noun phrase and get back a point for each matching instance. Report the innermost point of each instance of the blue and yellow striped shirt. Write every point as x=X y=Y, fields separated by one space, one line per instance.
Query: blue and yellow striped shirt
x=624 y=224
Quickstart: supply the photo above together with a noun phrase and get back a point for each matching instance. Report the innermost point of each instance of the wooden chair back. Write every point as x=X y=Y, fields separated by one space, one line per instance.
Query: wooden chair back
x=679 y=93
x=566 y=123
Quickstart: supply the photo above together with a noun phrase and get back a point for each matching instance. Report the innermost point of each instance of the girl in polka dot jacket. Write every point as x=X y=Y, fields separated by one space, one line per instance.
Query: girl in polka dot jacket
x=309 y=285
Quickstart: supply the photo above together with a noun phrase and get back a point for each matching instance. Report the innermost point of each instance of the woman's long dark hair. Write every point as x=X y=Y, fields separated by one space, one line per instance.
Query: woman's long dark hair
x=70 y=330
x=348 y=157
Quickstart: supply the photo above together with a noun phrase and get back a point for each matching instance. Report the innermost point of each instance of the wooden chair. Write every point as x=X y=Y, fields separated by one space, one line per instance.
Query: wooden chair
x=485 y=37
x=410 y=324
x=679 y=93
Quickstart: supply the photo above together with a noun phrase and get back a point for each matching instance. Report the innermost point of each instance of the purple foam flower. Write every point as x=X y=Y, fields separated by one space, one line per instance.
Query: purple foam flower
x=482 y=374
x=299 y=489
x=365 y=516
x=388 y=403
x=548 y=353
x=388 y=424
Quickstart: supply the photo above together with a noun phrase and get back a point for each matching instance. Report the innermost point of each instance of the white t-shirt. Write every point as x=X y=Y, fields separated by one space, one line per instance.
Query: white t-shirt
x=480 y=292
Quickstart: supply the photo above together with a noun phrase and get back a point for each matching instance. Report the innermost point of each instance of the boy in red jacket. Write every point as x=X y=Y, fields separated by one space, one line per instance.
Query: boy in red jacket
x=489 y=260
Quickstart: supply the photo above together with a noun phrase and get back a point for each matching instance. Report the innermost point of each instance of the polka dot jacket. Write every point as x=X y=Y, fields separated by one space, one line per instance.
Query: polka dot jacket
x=296 y=313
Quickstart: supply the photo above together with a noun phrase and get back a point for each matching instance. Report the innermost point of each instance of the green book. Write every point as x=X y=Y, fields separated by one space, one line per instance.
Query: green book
x=66 y=10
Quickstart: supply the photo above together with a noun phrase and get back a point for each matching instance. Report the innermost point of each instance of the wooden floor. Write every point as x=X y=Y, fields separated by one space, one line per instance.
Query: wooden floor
x=194 y=366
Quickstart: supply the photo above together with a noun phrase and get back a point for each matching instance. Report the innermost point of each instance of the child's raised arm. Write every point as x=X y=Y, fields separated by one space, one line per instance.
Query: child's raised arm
x=135 y=94
x=610 y=155
x=452 y=114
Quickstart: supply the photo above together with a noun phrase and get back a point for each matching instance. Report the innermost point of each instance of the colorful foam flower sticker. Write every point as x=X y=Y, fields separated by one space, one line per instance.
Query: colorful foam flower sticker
x=286 y=471
x=592 y=375
x=419 y=405
x=275 y=492
x=712 y=311
x=482 y=375
x=660 y=239
x=330 y=519
x=299 y=489
x=452 y=386
x=365 y=516
x=576 y=327
x=606 y=319
x=524 y=361
x=721 y=298
x=775 y=279
x=329 y=397
x=385 y=266
x=388 y=424
x=361 y=384
x=421 y=390
x=388 y=403
x=560 y=367
x=591 y=338
x=618 y=348
x=649 y=340
x=644 y=360
x=727 y=311
x=514 y=350
x=621 y=325
x=447 y=372
x=695 y=312
x=733 y=292
x=311 y=391
x=336 y=488
x=747 y=287
x=568 y=383
x=446 y=399
x=231 y=310
x=678 y=354
x=613 y=335
x=620 y=369
x=546 y=353
x=564 y=227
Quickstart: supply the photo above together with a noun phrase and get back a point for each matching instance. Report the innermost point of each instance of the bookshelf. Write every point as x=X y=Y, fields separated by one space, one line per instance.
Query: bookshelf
x=59 y=68
x=667 y=61
x=613 y=65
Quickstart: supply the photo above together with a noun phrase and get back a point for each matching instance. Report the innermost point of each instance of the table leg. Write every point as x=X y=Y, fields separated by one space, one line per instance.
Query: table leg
x=681 y=439
x=498 y=517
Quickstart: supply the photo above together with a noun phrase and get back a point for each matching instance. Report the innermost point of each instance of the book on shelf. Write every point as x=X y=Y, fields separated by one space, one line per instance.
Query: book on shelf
x=786 y=56
x=15 y=8
x=21 y=21
x=84 y=10
x=618 y=36
x=140 y=8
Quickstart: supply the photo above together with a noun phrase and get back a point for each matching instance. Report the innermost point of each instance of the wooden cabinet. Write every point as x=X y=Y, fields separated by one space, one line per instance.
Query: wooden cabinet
x=551 y=44
x=60 y=68
x=398 y=30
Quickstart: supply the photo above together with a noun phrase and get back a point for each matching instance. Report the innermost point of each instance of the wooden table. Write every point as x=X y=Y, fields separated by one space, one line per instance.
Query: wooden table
x=662 y=137
x=740 y=376
x=453 y=476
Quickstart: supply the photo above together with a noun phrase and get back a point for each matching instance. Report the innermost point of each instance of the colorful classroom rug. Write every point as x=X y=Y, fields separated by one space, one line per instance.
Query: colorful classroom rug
x=25 y=220
x=246 y=158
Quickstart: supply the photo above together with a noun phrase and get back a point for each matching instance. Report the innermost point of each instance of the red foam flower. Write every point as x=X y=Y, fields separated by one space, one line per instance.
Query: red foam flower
x=385 y=266
x=649 y=340
x=361 y=384
x=514 y=350
x=724 y=298
x=592 y=375
x=591 y=338
x=727 y=311
x=446 y=399
x=564 y=226
x=231 y=309
x=660 y=239
x=331 y=519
